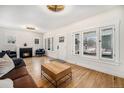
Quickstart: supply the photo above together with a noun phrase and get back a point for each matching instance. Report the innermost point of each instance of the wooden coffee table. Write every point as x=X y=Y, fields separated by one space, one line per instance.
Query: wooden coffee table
x=56 y=71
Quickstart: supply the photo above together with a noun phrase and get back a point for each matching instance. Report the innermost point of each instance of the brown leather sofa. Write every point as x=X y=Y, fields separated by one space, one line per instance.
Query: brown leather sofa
x=20 y=75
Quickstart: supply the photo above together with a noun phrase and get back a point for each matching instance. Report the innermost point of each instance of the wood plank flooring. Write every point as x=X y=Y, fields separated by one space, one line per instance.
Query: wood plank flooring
x=81 y=77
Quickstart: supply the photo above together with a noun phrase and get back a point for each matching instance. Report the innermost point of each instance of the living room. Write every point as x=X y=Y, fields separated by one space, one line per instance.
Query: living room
x=62 y=49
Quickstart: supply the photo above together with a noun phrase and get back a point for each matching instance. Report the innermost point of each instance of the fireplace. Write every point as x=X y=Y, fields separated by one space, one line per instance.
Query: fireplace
x=25 y=52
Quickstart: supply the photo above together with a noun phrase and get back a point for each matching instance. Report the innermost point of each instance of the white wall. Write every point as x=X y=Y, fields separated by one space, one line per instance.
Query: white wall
x=102 y=19
x=21 y=38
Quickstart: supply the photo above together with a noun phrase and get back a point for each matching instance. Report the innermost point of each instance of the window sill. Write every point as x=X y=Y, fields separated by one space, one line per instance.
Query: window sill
x=97 y=60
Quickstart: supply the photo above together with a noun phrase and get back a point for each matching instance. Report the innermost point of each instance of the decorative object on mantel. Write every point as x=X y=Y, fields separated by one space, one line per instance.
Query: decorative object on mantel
x=25 y=44
x=56 y=8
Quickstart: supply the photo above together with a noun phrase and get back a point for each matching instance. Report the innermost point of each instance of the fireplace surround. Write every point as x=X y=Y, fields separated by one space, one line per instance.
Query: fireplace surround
x=25 y=52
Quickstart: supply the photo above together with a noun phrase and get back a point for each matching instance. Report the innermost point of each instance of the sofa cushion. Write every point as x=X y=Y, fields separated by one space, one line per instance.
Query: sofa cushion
x=24 y=82
x=19 y=62
x=11 y=54
x=6 y=57
x=6 y=83
x=16 y=73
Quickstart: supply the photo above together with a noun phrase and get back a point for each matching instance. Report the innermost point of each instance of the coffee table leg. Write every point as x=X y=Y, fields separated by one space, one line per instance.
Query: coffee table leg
x=56 y=84
x=71 y=75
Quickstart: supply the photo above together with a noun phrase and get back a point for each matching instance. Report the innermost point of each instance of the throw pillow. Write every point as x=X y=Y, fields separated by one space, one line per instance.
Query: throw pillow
x=6 y=65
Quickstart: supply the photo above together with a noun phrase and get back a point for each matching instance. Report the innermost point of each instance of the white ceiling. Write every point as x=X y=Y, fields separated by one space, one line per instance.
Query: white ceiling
x=44 y=19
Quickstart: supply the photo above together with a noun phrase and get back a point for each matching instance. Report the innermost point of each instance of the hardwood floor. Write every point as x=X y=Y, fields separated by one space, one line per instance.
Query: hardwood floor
x=81 y=77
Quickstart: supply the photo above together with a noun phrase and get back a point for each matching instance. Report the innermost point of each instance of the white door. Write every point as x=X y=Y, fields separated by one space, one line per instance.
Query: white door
x=61 y=47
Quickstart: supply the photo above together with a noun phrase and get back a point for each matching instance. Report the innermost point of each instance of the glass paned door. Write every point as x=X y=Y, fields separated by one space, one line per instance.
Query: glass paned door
x=107 y=42
x=77 y=44
x=48 y=44
x=45 y=43
x=52 y=44
x=89 y=43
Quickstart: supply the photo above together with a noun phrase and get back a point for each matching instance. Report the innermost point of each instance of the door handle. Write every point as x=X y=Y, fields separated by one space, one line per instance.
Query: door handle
x=100 y=41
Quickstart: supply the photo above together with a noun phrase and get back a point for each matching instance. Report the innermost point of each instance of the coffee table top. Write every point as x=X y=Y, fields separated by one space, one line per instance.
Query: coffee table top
x=56 y=67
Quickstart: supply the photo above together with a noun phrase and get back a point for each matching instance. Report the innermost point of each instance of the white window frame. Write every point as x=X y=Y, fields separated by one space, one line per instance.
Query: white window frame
x=73 y=36
x=116 y=44
x=48 y=44
x=52 y=43
x=45 y=41
x=113 y=43
x=97 y=43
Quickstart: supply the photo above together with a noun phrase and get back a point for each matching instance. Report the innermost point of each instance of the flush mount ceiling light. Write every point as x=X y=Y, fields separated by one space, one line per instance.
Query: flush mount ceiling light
x=56 y=8
x=30 y=27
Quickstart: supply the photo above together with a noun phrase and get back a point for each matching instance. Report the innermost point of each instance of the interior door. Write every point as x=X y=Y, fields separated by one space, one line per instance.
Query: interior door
x=61 y=47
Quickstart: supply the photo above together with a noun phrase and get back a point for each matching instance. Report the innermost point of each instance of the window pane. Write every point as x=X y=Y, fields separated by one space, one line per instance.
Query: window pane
x=52 y=44
x=77 y=43
x=89 y=43
x=48 y=43
x=45 y=43
x=107 y=50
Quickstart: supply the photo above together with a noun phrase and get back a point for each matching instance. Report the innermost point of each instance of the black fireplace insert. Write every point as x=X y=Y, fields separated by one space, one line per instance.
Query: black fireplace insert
x=25 y=52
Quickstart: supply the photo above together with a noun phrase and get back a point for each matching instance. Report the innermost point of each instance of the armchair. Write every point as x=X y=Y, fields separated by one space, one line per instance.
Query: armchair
x=40 y=52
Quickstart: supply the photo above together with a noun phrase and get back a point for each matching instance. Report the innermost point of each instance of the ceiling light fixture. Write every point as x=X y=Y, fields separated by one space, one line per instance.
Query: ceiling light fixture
x=30 y=27
x=56 y=8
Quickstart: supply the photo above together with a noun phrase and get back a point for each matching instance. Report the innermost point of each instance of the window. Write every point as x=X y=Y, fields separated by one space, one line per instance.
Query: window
x=107 y=44
x=89 y=43
x=100 y=43
x=52 y=44
x=45 y=43
x=48 y=43
x=77 y=43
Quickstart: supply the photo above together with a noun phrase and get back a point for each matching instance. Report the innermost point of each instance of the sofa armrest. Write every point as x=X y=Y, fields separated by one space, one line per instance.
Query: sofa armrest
x=25 y=82
x=19 y=62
